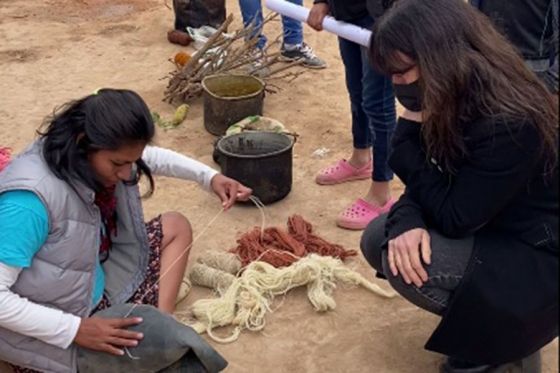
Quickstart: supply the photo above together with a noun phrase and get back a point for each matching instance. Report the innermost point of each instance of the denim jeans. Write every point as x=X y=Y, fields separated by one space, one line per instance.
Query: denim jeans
x=372 y=104
x=252 y=10
x=449 y=261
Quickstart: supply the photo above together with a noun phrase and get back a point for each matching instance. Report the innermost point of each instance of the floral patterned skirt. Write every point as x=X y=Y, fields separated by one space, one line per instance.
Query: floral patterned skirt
x=148 y=291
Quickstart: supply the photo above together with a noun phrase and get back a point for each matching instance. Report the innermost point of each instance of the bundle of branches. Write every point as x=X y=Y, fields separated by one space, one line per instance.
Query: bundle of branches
x=224 y=54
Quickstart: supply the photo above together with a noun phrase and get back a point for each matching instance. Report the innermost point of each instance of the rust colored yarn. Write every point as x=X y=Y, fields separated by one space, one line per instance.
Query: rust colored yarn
x=281 y=248
x=302 y=231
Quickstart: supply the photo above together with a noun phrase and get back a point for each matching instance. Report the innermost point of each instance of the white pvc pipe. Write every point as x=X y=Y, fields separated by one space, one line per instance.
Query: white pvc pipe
x=344 y=30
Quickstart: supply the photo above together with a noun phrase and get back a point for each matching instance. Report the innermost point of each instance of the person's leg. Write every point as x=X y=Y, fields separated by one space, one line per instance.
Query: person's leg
x=177 y=236
x=293 y=29
x=251 y=11
x=450 y=258
x=379 y=107
x=361 y=137
x=366 y=91
x=373 y=242
x=293 y=47
x=358 y=166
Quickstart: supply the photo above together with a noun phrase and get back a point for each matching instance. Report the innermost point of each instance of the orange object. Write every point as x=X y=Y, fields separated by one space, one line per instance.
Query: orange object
x=182 y=58
x=281 y=248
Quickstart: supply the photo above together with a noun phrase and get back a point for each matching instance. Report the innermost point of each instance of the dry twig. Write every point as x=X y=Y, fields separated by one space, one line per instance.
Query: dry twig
x=225 y=54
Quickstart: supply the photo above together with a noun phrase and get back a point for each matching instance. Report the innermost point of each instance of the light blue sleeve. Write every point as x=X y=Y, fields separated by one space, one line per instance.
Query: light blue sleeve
x=24 y=227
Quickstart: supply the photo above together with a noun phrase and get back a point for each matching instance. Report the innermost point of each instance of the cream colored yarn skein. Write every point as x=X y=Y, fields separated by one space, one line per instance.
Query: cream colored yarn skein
x=221 y=260
x=245 y=303
x=203 y=275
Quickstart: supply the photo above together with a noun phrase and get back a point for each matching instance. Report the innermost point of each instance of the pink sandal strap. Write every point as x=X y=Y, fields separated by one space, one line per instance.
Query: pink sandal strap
x=343 y=171
x=358 y=215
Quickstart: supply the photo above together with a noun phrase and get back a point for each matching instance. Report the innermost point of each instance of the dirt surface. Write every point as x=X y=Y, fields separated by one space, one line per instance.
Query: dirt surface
x=57 y=50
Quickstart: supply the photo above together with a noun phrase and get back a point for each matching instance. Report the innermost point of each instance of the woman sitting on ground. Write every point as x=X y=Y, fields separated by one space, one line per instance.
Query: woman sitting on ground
x=474 y=237
x=72 y=236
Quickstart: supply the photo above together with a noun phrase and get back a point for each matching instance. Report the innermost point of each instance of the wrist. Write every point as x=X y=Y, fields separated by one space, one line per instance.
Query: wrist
x=210 y=177
x=74 y=324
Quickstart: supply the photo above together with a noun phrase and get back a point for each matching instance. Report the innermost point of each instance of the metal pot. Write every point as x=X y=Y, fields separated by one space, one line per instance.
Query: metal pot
x=261 y=161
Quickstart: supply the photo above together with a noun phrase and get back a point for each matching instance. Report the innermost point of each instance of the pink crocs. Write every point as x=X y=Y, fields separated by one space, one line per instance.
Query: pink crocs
x=343 y=171
x=5 y=155
x=358 y=215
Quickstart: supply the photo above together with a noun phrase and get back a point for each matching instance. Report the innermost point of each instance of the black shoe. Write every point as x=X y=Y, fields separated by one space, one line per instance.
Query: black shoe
x=302 y=52
x=529 y=364
x=454 y=365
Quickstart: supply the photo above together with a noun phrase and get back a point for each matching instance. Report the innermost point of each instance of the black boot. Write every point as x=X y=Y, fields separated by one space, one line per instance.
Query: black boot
x=455 y=365
x=529 y=364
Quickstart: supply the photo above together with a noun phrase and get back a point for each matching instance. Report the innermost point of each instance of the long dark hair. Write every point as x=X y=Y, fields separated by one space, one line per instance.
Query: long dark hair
x=467 y=71
x=106 y=120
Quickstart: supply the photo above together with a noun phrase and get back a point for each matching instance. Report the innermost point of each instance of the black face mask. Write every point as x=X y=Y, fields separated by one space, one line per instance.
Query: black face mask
x=409 y=95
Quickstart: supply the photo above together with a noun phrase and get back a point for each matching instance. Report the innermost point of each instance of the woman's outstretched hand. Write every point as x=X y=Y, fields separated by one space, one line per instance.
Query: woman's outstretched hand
x=406 y=254
x=229 y=190
x=108 y=335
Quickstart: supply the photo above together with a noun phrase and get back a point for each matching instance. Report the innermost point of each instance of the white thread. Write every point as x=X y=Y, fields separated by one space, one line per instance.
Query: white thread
x=261 y=208
x=176 y=261
x=130 y=355
x=253 y=199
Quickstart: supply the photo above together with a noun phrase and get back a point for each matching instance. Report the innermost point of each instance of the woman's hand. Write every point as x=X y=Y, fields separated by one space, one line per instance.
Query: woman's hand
x=404 y=256
x=415 y=116
x=316 y=16
x=229 y=190
x=108 y=335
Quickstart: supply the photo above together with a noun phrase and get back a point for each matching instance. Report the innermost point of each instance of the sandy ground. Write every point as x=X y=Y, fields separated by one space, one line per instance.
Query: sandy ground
x=56 y=50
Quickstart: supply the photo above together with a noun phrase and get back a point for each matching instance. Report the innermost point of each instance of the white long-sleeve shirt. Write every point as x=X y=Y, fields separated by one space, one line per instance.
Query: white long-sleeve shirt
x=165 y=162
x=54 y=326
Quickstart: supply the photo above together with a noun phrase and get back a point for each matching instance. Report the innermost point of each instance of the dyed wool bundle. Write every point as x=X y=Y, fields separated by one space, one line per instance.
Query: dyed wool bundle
x=245 y=303
x=302 y=231
x=281 y=248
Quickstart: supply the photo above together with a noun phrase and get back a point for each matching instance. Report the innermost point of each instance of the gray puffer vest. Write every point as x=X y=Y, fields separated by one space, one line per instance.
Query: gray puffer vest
x=61 y=275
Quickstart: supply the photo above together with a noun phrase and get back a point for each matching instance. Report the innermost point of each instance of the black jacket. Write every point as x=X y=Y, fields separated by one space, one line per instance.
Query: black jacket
x=507 y=304
x=532 y=27
x=350 y=10
x=529 y=25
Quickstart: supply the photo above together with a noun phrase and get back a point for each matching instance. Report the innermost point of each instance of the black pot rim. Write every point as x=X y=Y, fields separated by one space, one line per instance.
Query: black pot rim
x=247 y=156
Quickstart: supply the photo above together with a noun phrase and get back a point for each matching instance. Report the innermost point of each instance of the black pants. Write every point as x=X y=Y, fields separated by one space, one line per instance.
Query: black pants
x=450 y=258
x=449 y=261
x=197 y=13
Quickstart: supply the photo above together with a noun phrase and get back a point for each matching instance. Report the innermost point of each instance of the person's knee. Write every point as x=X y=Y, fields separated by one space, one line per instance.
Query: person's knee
x=429 y=298
x=175 y=224
x=372 y=242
